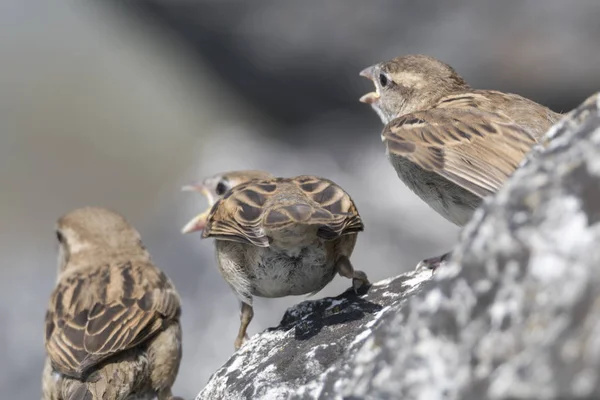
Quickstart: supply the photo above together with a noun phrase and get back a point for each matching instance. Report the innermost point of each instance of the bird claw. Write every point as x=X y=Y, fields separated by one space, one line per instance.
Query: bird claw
x=240 y=342
x=359 y=280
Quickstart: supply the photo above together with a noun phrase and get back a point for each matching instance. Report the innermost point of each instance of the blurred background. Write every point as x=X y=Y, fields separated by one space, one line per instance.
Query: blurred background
x=120 y=103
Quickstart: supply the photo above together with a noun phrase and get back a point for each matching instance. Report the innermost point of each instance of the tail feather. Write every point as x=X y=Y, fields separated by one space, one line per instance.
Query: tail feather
x=300 y=214
x=80 y=392
x=114 y=380
x=330 y=225
x=283 y=216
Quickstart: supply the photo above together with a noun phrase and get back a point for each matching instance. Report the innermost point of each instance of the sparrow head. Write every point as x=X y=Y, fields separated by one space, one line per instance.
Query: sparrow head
x=215 y=187
x=409 y=83
x=94 y=230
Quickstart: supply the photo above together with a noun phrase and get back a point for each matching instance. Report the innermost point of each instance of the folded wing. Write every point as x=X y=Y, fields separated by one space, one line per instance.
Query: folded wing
x=476 y=150
x=251 y=210
x=93 y=316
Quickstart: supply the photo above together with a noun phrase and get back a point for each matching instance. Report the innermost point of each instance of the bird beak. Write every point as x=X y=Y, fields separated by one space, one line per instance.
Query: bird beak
x=368 y=72
x=371 y=97
x=199 y=222
x=203 y=190
x=196 y=188
x=196 y=224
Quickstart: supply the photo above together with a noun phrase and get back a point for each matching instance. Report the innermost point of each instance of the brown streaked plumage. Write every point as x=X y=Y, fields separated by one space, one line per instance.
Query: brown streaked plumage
x=215 y=187
x=112 y=325
x=450 y=144
x=278 y=237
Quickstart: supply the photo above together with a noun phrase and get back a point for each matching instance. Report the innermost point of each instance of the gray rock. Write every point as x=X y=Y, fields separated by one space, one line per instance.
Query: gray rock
x=516 y=314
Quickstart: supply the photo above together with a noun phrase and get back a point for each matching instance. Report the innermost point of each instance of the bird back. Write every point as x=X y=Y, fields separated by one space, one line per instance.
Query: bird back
x=260 y=212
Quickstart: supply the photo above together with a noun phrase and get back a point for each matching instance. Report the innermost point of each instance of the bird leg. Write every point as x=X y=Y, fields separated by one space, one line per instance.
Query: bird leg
x=434 y=263
x=344 y=268
x=246 y=315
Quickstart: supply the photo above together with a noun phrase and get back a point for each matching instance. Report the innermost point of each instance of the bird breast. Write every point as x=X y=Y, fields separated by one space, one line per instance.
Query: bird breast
x=446 y=198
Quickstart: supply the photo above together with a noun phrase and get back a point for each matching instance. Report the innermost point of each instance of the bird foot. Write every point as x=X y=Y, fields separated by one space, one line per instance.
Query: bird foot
x=359 y=280
x=239 y=341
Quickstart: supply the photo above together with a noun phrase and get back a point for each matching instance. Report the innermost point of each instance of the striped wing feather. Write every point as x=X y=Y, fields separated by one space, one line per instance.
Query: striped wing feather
x=250 y=210
x=237 y=216
x=334 y=211
x=476 y=150
x=95 y=314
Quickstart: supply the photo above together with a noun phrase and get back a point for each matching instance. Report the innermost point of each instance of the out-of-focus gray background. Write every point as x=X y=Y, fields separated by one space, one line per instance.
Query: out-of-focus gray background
x=121 y=103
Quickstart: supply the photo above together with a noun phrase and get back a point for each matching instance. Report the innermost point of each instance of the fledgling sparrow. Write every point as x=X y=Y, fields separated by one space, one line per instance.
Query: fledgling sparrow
x=278 y=237
x=112 y=325
x=450 y=144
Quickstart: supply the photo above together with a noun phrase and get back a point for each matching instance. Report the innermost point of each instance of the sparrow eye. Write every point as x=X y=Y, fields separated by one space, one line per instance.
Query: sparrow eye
x=60 y=237
x=222 y=187
x=383 y=80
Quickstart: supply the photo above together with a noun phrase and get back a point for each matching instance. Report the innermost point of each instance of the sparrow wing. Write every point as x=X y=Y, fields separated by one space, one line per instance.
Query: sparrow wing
x=251 y=210
x=237 y=216
x=474 y=149
x=333 y=209
x=95 y=314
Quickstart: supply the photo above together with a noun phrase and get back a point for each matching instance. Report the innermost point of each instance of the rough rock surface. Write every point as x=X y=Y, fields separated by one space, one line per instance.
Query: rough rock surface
x=516 y=314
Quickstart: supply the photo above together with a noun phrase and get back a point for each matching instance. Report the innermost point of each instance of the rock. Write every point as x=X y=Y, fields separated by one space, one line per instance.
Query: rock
x=312 y=338
x=516 y=313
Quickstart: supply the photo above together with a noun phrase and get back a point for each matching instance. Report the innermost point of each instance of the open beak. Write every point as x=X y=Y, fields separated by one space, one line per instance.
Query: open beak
x=371 y=97
x=196 y=188
x=368 y=72
x=199 y=222
x=196 y=224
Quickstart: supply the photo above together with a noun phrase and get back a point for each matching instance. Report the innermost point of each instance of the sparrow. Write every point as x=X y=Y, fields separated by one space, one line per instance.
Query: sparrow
x=112 y=325
x=452 y=145
x=277 y=237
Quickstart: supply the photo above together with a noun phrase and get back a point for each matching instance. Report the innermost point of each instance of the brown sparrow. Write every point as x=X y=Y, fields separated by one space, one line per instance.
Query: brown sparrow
x=278 y=237
x=112 y=326
x=450 y=144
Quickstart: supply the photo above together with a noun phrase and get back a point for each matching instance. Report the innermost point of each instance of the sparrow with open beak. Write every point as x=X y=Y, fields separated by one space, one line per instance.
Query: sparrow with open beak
x=278 y=237
x=450 y=144
x=112 y=326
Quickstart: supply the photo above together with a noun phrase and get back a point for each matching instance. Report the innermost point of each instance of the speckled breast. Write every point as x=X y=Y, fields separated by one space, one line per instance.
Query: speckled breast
x=279 y=273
